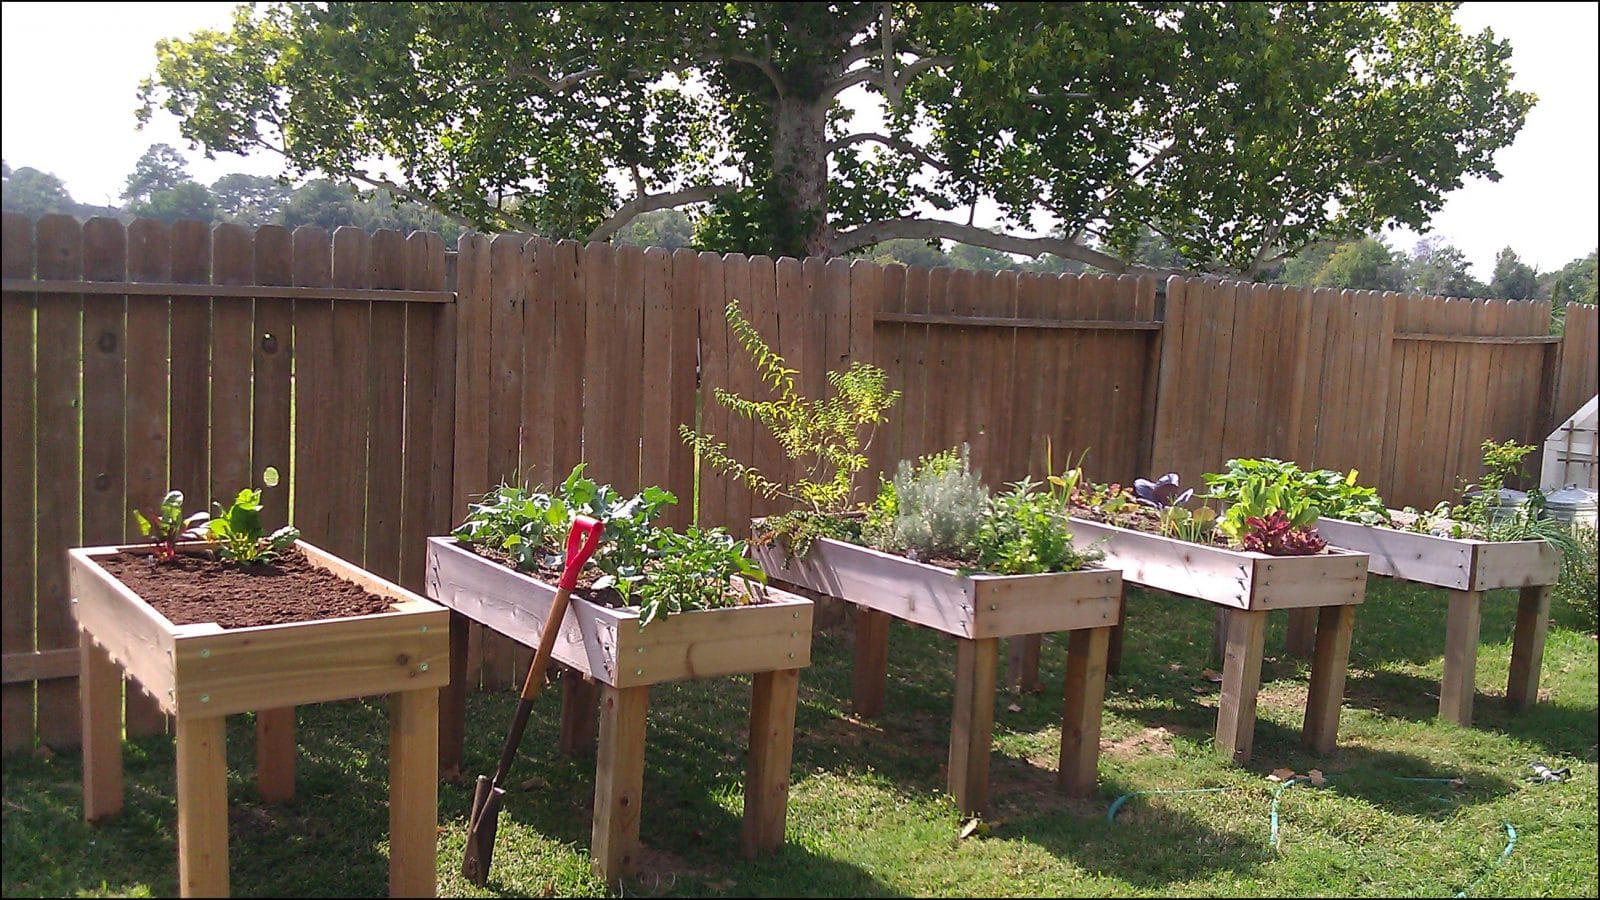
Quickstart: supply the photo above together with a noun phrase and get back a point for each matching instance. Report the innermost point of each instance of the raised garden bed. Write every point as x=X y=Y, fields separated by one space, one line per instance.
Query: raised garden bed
x=201 y=672
x=1466 y=568
x=977 y=610
x=1247 y=584
x=770 y=640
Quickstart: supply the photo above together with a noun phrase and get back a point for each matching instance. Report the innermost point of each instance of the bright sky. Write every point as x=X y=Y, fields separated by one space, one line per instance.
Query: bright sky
x=71 y=72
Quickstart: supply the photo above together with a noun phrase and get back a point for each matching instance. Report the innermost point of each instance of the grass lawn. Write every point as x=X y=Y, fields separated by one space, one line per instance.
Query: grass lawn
x=867 y=813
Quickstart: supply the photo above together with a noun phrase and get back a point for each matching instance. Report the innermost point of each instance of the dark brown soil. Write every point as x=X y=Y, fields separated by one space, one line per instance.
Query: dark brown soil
x=193 y=589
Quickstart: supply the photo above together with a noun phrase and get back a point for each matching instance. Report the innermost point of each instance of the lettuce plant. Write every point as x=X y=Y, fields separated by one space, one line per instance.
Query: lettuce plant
x=237 y=530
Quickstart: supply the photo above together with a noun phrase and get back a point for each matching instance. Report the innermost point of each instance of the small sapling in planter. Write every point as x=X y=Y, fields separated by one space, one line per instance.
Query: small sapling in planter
x=934 y=548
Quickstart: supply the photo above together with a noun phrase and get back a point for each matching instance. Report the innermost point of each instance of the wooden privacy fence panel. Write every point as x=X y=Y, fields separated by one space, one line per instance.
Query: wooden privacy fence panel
x=1578 y=377
x=116 y=391
x=1015 y=364
x=393 y=385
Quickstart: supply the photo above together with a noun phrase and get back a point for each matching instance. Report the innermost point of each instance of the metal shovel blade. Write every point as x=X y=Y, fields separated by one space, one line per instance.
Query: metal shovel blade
x=481 y=828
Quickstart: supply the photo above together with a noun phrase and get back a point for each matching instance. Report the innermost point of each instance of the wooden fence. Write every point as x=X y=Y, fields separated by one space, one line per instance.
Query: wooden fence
x=141 y=357
x=195 y=357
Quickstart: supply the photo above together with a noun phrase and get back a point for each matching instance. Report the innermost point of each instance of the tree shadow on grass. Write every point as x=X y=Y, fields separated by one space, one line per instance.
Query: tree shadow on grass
x=1557 y=728
x=690 y=826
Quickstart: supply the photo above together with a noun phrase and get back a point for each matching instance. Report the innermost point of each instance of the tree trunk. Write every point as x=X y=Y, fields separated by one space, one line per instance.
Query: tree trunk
x=800 y=170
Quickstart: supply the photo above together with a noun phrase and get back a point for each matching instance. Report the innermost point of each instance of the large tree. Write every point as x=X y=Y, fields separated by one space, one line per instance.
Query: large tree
x=1238 y=131
x=34 y=193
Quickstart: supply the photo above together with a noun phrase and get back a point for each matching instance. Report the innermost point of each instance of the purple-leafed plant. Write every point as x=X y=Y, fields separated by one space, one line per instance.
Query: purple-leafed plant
x=1161 y=493
x=1276 y=535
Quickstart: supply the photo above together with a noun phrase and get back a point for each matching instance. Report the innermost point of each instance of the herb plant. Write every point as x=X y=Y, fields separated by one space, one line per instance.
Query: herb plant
x=166 y=526
x=1025 y=531
x=931 y=509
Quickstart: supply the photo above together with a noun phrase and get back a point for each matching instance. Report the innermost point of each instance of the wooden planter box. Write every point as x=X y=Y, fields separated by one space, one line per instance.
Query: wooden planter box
x=1246 y=585
x=977 y=610
x=201 y=673
x=770 y=640
x=1466 y=568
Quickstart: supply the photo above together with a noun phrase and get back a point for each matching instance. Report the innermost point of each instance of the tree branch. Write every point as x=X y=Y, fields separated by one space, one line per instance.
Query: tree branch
x=896 y=85
x=903 y=146
x=644 y=203
x=765 y=65
x=553 y=85
x=928 y=229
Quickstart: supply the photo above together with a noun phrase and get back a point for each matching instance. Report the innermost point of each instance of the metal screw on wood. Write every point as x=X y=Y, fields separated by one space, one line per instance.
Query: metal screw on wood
x=423 y=667
x=638 y=671
x=205 y=698
x=423 y=629
x=205 y=654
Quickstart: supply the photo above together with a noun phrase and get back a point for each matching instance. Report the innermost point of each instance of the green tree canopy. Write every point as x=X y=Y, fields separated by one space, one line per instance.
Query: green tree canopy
x=161 y=168
x=34 y=193
x=1440 y=268
x=1574 y=282
x=1367 y=264
x=250 y=199
x=1238 y=131
x=1513 y=279
x=185 y=200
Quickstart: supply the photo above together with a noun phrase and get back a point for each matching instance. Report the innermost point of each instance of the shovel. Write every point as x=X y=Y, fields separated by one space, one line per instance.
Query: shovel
x=489 y=794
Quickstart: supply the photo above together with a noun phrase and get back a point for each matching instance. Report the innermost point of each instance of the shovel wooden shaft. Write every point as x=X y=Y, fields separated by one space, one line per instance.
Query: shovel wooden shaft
x=482 y=821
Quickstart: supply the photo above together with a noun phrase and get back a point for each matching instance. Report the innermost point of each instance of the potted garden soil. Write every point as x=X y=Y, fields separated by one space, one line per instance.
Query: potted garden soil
x=1467 y=549
x=246 y=623
x=654 y=606
x=1261 y=553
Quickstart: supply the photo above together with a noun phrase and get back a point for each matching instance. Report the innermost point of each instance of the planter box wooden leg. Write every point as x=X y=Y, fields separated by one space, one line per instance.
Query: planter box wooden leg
x=1460 y=657
x=202 y=807
x=580 y=701
x=1022 y=662
x=1329 y=663
x=1114 y=648
x=1081 y=704
x=1241 y=679
x=1301 y=639
x=100 y=702
x=774 y=696
x=619 y=781
x=871 y=673
x=414 y=793
x=972 y=724
x=275 y=754
x=453 y=701
x=1527 y=646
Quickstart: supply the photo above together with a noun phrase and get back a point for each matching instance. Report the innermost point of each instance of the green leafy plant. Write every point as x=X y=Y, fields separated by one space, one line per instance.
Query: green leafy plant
x=237 y=530
x=648 y=566
x=829 y=436
x=933 y=508
x=1026 y=531
x=692 y=570
x=1252 y=491
x=1578 y=589
x=166 y=525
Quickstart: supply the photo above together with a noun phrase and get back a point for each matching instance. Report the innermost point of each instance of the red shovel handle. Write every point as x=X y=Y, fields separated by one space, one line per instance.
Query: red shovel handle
x=581 y=543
